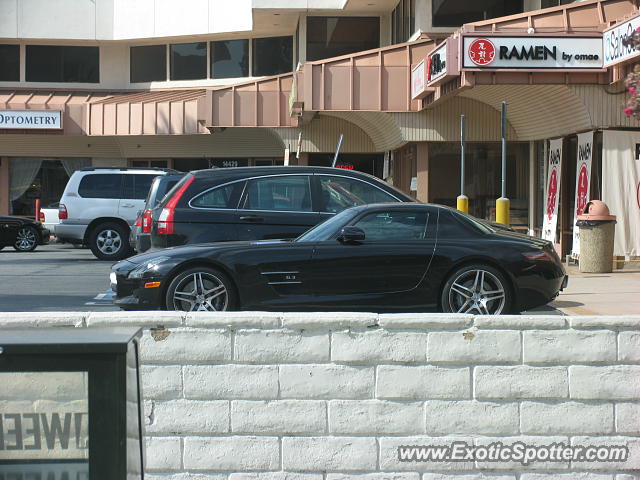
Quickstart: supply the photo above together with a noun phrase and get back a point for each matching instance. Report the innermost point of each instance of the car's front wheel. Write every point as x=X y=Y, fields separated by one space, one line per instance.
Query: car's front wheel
x=26 y=239
x=201 y=289
x=478 y=289
x=108 y=241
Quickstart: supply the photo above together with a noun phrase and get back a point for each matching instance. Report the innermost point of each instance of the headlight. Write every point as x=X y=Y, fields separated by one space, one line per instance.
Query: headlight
x=150 y=266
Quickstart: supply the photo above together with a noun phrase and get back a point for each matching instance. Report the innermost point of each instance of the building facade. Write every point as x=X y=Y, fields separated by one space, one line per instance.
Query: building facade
x=152 y=83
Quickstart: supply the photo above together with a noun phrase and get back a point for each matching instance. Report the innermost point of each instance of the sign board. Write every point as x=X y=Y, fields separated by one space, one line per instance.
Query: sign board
x=532 y=52
x=552 y=190
x=612 y=42
x=31 y=119
x=442 y=63
x=583 y=176
x=419 y=80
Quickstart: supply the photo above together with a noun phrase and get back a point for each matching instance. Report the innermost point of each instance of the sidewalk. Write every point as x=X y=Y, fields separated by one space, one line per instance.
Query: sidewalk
x=616 y=293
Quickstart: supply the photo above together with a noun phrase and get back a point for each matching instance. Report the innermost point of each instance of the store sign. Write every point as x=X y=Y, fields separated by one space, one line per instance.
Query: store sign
x=418 y=81
x=553 y=190
x=442 y=63
x=583 y=176
x=613 y=39
x=31 y=119
x=532 y=52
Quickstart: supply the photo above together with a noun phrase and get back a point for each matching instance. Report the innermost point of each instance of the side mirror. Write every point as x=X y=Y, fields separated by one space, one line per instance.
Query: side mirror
x=351 y=234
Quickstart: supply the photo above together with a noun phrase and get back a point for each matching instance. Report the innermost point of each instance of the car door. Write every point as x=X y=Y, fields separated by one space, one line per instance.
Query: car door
x=135 y=188
x=276 y=206
x=9 y=227
x=394 y=256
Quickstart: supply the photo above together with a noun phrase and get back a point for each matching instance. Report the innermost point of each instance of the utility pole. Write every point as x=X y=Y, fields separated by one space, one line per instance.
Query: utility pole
x=462 y=202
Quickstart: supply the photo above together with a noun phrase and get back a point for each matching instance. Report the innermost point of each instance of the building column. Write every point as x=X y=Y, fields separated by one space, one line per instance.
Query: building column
x=422 y=167
x=4 y=186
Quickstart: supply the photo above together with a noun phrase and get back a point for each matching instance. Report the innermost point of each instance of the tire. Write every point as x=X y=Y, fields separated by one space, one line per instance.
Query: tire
x=109 y=241
x=27 y=239
x=185 y=291
x=478 y=289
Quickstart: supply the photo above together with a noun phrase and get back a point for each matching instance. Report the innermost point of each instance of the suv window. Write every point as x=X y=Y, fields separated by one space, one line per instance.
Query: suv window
x=394 y=225
x=286 y=193
x=136 y=186
x=100 y=185
x=221 y=197
x=339 y=193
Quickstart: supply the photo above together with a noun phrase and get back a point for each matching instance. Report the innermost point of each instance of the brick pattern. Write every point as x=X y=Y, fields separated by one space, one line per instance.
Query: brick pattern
x=272 y=396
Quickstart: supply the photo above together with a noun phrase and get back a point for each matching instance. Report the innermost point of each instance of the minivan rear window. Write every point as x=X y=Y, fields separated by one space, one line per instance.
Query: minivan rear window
x=100 y=185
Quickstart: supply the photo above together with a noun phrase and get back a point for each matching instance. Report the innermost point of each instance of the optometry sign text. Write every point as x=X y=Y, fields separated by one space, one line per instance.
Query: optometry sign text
x=31 y=119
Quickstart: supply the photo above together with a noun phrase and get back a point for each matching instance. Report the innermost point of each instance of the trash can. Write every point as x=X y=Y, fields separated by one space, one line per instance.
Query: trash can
x=597 y=231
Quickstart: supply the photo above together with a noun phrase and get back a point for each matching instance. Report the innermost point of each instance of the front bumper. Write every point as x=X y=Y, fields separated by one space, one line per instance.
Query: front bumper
x=135 y=293
x=45 y=236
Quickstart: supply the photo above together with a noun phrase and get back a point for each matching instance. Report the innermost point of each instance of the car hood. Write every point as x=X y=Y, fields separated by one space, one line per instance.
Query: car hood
x=198 y=249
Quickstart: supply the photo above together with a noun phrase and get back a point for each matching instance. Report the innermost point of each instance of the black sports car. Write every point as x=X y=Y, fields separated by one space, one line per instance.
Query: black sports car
x=23 y=234
x=380 y=257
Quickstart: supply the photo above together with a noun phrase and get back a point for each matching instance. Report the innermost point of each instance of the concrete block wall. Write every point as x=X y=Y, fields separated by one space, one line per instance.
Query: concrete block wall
x=332 y=396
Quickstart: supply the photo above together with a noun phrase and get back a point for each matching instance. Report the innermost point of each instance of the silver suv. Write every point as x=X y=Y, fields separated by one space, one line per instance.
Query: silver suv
x=99 y=205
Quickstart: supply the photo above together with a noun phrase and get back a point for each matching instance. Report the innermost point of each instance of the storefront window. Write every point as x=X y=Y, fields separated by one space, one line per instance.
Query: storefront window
x=189 y=61
x=483 y=178
x=363 y=162
x=334 y=36
x=37 y=178
x=9 y=63
x=454 y=13
x=68 y=64
x=230 y=59
x=272 y=56
x=403 y=21
x=148 y=63
x=554 y=3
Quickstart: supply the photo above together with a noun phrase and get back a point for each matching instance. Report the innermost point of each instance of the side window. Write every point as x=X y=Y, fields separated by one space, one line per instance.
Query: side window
x=394 y=225
x=221 y=197
x=450 y=227
x=284 y=193
x=136 y=186
x=339 y=193
x=100 y=185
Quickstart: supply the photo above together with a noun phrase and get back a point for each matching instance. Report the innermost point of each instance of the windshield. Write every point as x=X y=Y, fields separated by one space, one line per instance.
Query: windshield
x=324 y=230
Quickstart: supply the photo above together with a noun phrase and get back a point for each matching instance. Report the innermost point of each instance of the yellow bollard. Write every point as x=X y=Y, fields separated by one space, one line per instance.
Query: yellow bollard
x=462 y=203
x=502 y=210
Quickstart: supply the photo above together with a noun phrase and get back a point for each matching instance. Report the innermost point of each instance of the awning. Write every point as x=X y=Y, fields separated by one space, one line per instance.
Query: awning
x=159 y=112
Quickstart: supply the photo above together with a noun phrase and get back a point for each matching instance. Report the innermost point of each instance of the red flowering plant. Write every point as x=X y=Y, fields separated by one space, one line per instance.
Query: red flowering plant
x=632 y=82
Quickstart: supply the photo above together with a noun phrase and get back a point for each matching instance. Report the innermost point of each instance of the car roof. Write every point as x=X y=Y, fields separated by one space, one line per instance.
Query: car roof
x=276 y=170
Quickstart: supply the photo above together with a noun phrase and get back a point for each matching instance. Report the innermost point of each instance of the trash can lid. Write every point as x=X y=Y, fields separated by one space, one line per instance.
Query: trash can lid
x=596 y=210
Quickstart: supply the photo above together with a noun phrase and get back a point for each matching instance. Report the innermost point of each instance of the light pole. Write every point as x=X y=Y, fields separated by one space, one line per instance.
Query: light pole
x=462 y=202
x=502 y=204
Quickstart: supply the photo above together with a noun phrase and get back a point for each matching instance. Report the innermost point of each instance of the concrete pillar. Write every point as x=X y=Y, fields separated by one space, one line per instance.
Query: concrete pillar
x=4 y=186
x=422 y=168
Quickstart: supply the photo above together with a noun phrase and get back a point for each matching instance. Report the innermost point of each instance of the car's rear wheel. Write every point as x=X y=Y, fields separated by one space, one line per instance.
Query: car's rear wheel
x=109 y=241
x=201 y=289
x=26 y=239
x=478 y=289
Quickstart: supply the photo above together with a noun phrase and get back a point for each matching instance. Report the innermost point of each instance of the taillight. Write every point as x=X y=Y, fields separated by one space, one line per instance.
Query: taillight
x=62 y=212
x=41 y=217
x=165 y=220
x=146 y=221
x=538 y=256
x=138 y=222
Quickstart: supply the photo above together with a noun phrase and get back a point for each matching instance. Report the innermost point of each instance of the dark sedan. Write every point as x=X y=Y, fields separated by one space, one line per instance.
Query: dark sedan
x=380 y=257
x=23 y=234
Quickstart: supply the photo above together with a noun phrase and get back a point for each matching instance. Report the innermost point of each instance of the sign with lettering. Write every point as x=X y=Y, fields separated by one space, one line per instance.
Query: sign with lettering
x=583 y=176
x=418 y=81
x=612 y=42
x=553 y=190
x=531 y=52
x=31 y=119
x=442 y=63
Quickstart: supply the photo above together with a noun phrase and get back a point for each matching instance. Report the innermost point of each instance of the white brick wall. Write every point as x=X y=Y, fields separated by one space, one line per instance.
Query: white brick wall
x=331 y=396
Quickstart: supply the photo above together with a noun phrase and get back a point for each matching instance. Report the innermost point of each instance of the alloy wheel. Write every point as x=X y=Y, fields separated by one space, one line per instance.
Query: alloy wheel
x=109 y=241
x=26 y=240
x=200 y=292
x=477 y=291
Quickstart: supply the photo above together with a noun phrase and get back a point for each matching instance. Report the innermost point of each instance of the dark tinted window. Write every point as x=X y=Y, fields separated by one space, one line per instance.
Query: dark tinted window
x=148 y=63
x=163 y=188
x=272 y=56
x=100 y=185
x=334 y=36
x=221 y=197
x=288 y=192
x=338 y=193
x=450 y=226
x=403 y=21
x=230 y=59
x=136 y=186
x=189 y=61
x=394 y=225
x=46 y=63
x=9 y=63
x=454 y=13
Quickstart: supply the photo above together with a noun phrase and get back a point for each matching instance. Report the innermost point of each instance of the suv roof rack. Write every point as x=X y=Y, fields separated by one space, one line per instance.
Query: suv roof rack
x=168 y=170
